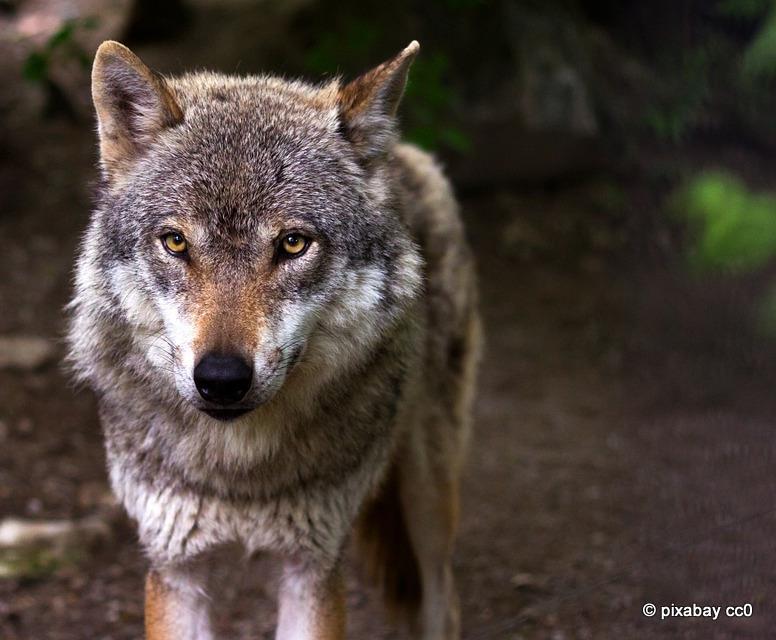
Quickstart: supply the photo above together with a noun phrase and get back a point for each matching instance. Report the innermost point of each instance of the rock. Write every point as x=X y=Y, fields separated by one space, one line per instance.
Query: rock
x=25 y=352
x=529 y=582
x=562 y=85
x=17 y=532
x=553 y=61
x=34 y=506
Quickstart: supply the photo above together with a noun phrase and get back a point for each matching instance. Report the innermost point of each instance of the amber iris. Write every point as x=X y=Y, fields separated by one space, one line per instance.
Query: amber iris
x=294 y=244
x=175 y=243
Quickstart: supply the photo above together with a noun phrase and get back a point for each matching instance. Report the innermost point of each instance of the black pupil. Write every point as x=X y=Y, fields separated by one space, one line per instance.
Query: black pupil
x=176 y=238
x=292 y=240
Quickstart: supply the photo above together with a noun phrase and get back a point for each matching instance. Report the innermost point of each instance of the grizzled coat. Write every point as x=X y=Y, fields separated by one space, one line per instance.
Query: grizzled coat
x=363 y=347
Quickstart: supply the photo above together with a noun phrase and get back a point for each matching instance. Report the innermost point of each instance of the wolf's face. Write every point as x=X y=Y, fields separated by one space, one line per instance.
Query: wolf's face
x=243 y=229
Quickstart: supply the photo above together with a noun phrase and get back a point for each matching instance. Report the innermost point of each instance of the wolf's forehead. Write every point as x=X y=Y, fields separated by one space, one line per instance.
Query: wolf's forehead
x=258 y=102
x=259 y=134
x=236 y=192
x=252 y=148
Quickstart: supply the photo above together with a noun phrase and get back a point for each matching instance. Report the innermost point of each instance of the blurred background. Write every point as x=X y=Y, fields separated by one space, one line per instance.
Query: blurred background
x=615 y=165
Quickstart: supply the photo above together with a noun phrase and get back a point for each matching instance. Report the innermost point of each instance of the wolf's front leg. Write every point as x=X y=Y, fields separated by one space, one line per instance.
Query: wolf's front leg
x=176 y=607
x=312 y=605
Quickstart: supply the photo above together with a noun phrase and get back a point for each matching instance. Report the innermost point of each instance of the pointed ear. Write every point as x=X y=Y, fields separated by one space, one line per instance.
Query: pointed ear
x=368 y=104
x=133 y=105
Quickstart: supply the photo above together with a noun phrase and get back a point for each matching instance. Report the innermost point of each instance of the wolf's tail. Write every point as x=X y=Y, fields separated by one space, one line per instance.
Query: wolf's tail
x=386 y=551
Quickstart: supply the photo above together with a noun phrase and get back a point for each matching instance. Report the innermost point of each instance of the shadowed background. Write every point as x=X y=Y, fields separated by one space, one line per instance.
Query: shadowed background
x=614 y=162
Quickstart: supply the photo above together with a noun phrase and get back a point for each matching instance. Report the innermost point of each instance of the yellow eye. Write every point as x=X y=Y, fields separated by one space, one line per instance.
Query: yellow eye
x=294 y=244
x=175 y=243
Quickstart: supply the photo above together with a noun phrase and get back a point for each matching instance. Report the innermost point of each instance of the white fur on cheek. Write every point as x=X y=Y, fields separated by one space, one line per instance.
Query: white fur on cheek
x=132 y=300
x=277 y=345
x=361 y=293
x=180 y=332
x=142 y=315
x=348 y=327
x=164 y=335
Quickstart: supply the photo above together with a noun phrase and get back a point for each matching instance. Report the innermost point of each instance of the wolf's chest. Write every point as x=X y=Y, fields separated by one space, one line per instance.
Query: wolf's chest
x=176 y=524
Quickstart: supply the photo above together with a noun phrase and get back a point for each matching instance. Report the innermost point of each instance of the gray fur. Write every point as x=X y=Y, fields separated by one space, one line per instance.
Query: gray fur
x=381 y=313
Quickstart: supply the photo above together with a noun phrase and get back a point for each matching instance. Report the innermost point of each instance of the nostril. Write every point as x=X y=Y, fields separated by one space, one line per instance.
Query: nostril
x=222 y=379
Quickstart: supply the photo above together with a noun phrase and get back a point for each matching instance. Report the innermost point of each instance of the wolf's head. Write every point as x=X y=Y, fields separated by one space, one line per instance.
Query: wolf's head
x=246 y=225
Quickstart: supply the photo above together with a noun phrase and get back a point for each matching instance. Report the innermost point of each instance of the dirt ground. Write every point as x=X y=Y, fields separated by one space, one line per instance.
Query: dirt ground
x=623 y=449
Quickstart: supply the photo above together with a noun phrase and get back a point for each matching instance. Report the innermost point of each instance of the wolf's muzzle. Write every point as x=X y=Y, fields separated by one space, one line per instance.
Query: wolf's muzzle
x=223 y=379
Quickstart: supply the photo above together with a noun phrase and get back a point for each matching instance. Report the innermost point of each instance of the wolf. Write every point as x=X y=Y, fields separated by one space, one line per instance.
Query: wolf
x=276 y=307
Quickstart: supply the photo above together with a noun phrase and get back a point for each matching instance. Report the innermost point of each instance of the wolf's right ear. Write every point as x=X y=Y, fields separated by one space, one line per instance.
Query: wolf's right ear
x=133 y=105
x=369 y=103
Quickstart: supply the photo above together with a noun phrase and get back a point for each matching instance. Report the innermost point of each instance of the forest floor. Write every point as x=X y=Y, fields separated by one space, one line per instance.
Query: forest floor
x=621 y=456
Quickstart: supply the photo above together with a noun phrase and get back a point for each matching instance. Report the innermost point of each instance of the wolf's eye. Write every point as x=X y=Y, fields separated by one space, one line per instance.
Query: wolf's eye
x=294 y=244
x=175 y=243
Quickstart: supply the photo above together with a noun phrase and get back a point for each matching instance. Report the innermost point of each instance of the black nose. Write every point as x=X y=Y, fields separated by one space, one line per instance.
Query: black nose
x=222 y=379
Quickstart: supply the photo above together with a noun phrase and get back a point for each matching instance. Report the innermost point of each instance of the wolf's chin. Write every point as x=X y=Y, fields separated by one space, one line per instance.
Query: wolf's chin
x=226 y=415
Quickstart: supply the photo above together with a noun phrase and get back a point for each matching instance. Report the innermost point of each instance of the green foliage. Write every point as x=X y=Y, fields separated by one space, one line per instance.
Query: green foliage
x=759 y=59
x=735 y=231
x=736 y=228
x=355 y=39
x=35 y=561
x=428 y=103
x=718 y=80
x=62 y=42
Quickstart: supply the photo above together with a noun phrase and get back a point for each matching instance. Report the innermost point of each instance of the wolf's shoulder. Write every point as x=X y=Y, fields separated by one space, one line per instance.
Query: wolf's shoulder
x=422 y=183
x=427 y=203
x=430 y=210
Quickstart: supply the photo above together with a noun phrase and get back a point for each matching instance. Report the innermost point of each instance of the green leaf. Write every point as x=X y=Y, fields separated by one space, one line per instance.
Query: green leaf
x=456 y=139
x=35 y=67
x=90 y=22
x=735 y=228
x=760 y=57
x=424 y=137
x=61 y=36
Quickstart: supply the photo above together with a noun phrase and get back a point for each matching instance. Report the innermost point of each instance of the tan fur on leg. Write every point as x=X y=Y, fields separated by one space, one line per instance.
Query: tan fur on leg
x=157 y=609
x=175 y=608
x=429 y=496
x=330 y=615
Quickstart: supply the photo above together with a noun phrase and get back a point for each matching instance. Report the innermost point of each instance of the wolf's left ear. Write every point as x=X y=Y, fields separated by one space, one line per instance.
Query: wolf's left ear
x=133 y=104
x=368 y=104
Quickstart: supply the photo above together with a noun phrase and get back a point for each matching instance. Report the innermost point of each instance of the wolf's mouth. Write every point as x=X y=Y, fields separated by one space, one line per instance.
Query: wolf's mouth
x=225 y=415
